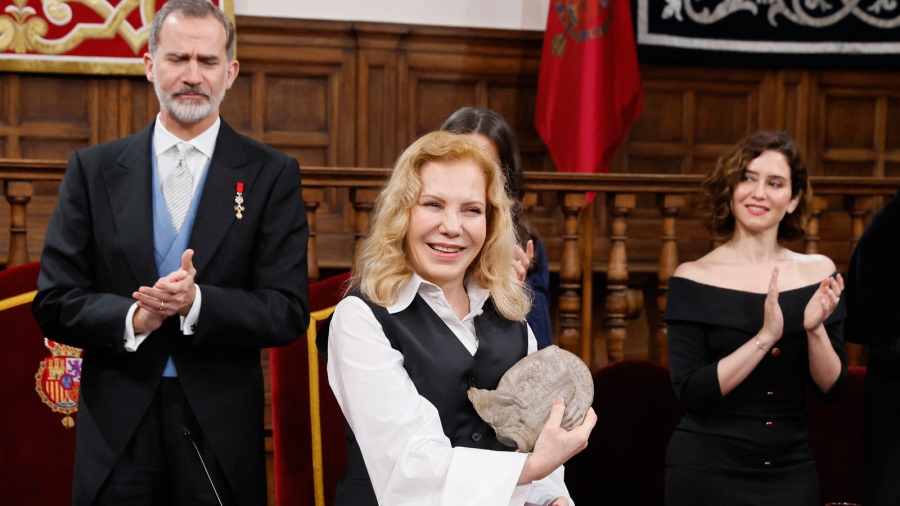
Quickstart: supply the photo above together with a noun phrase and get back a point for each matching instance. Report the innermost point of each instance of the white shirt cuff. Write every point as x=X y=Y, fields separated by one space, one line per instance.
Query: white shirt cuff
x=189 y=322
x=503 y=468
x=132 y=341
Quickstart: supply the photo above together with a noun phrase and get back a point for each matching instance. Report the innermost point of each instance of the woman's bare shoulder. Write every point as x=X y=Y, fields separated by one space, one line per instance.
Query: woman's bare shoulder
x=814 y=267
x=701 y=270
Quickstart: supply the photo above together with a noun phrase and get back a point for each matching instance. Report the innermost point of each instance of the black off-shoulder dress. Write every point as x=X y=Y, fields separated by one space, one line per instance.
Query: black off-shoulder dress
x=749 y=447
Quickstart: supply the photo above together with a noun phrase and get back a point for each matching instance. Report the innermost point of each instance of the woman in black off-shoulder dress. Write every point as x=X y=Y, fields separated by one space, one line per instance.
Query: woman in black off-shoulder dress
x=749 y=326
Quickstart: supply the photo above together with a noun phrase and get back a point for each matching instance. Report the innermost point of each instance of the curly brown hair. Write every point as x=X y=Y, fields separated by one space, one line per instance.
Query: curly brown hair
x=718 y=187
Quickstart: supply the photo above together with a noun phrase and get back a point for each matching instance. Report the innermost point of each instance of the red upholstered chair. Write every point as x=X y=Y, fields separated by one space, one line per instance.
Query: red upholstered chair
x=637 y=412
x=836 y=441
x=310 y=446
x=37 y=443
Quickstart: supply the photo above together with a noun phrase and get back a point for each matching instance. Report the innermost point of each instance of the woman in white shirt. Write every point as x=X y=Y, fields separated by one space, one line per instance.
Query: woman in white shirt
x=433 y=311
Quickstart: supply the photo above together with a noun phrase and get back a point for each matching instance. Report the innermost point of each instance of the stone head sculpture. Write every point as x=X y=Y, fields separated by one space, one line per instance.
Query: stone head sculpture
x=519 y=407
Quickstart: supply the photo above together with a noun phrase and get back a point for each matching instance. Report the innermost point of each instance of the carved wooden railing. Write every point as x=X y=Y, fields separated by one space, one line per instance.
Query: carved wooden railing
x=622 y=191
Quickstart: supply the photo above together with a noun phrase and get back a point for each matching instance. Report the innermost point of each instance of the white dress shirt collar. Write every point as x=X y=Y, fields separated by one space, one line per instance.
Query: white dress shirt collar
x=163 y=140
x=478 y=294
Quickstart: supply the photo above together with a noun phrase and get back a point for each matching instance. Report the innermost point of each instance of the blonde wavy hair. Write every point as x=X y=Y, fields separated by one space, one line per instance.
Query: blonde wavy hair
x=382 y=267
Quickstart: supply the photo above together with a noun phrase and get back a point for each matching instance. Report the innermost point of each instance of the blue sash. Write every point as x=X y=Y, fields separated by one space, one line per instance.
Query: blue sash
x=168 y=245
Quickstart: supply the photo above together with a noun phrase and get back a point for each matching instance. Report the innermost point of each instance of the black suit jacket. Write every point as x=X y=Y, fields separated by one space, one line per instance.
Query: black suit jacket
x=252 y=274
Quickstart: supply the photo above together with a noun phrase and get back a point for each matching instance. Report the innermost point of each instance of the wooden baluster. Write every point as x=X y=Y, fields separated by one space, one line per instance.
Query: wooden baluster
x=18 y=194
x=617 y=278
x=312 y=197
x=570 y=276
x=859 y=208
x=587 y=285
x=819 y=205
x=529 y=200
x=669 y=207
x=363 y=200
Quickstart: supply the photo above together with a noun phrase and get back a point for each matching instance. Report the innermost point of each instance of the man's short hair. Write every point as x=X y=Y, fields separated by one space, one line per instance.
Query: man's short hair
x=192 y=9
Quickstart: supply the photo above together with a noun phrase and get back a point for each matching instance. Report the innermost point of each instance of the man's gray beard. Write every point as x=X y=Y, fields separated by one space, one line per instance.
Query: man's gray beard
x=188 y=111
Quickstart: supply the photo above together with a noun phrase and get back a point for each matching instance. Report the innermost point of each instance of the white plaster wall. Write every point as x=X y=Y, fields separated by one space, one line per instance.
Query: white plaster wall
x=504 y=14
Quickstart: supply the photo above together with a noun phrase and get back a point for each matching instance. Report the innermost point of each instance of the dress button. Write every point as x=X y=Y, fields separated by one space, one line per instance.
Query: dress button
x=476 y=437
x=776 y=352
x=770 y=394
x=769 y=425
x=767 y=464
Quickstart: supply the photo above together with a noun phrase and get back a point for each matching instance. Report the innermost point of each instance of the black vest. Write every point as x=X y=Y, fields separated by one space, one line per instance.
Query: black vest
x=442 y=370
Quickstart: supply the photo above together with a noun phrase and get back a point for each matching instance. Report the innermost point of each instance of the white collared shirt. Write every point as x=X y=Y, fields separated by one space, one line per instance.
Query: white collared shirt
x=197 y=161
x=164 y=143
x=409 y=459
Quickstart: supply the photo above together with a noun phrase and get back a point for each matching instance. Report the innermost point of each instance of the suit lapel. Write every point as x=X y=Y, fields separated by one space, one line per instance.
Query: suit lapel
x=216 y=213
x=129 y=182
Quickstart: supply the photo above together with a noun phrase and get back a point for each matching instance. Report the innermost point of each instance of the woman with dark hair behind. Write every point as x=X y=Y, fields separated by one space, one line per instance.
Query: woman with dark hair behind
x=490 y=131
x=750 y=324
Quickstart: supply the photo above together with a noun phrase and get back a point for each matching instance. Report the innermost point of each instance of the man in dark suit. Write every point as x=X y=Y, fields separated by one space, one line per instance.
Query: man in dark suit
x=172 y=257
x=873 y=320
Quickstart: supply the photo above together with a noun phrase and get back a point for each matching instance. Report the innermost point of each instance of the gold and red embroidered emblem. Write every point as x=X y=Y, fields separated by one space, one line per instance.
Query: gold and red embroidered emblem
x=58 y=380
x=582 y=20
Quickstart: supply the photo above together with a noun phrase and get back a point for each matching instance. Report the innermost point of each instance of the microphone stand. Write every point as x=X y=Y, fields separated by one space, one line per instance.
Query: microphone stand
x=187 y=434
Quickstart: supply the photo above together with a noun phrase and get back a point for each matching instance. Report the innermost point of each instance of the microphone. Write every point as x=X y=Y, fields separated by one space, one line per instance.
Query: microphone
x=187 y=434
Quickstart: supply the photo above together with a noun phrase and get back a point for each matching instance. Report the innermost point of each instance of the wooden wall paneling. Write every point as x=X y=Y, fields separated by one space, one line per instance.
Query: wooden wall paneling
x=661 y=138
x=792 y=107
x=355 y=94
x=96 y=114
x=299 y=94
x=308 y=89
x=434 y=95
x=378 y=142
x=849 y=146
x=125 y=110
x=54 y=115
x=14 y=146
x=880 y=135
x=853 y=131
x=298 y=115
x=724 y=113
x=892 y=138
x=103 y=105
x=9 y=118
x=241 y=109
x=146 y=104
x=301 y=110
x=493 y=68
x=513 y=98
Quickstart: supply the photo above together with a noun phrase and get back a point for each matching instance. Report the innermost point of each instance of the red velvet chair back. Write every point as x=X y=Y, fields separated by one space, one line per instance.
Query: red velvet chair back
x=637 y=412
x=37 y=451
x=299 y=432
x=836 y=441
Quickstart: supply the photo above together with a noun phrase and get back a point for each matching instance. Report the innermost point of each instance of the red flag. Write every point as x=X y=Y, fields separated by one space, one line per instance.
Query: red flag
x=589 y=88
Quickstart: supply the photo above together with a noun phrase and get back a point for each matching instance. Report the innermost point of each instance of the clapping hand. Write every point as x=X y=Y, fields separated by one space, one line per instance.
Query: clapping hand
x=773 y=321
x=522 y=260
x=170 y=295
x=823 y=302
